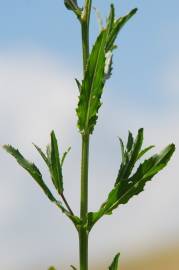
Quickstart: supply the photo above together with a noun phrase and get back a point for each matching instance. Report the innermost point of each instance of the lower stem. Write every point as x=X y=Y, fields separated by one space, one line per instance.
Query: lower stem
x=83 y=242
x=83 y=233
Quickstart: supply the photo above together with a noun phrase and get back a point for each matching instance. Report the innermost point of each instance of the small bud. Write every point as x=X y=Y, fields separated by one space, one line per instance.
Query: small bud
x=73 y=5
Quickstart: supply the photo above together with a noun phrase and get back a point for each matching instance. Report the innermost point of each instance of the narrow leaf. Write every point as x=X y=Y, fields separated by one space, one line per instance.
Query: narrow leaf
x=125 y=190
x=55 y=164
x=122 y=150
x=131 y=156
x=118 y=24
x=31 y=169
x=111 y=17
x=78 y=84
x=64 y=156
x=42 y=154
x=92 y=86
x=114 y=265
x=130 y=142
x=145 y=151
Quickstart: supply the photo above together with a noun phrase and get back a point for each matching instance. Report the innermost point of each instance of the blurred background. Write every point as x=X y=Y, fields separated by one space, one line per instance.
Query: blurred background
x=40 y=55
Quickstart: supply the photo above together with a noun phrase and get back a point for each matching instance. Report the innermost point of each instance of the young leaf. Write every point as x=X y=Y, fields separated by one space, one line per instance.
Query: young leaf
x=130 y=156
x=122 y=150
x=78 y=84
x=114 y=265
x=31 y=169
x=125 y=189
x=98 y=69
x=64 y=156
x=145 y=150
x=130 y=142
x=57 y=177
x=117 y=26
x=42 y=155
x=111 y=18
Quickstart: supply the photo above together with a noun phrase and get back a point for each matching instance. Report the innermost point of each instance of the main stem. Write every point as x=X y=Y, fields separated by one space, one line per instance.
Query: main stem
x=83 y=233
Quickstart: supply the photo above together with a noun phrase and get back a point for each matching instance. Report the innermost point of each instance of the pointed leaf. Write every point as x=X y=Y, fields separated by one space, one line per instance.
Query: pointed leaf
x=31 y=169
x=64 y=156
x=131 y=156
x=125 y=190
x=78 y=84
x=130 y=142
x=92 y=86
x=122 y=150
x=111 y=17
x=55 y=164
x=42 y=154
x=145 y=150
x=118 y=24
x=114 y=265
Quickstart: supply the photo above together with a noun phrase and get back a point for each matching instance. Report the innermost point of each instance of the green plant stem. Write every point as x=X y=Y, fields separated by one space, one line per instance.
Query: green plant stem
x=83 y=233
x=85 y=21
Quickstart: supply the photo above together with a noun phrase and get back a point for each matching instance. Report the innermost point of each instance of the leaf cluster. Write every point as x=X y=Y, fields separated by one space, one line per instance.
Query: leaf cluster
x=129 y=183
x=54 y=163
x=98 y=70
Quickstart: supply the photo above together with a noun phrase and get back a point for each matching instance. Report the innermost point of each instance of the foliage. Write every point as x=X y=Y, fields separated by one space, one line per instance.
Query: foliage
x=132 y=177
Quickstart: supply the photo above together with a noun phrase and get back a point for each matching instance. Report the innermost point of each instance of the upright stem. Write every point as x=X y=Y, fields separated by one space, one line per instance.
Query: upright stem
x=83 y=233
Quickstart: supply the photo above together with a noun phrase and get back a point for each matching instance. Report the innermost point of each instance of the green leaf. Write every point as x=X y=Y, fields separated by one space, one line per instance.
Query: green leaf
x=128 y=187
x=42 y=155
x=130 y=142
x=145 y=150
x=57 y=177
x=111 y=18
x=64 y=156
x=125 y=190
x=114 y=265
x=92 y=86
x=31 y=169
x=122 y=150
x=98 y=70
x=78 y=84
x=117 y=26
x=131 y=155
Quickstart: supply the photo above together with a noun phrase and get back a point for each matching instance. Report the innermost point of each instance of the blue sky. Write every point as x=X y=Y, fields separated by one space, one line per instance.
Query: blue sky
x=147 y=43
x=40 y=55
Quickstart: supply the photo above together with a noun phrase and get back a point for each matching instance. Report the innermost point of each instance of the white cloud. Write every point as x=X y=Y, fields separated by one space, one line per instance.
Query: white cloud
x=38 y=95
